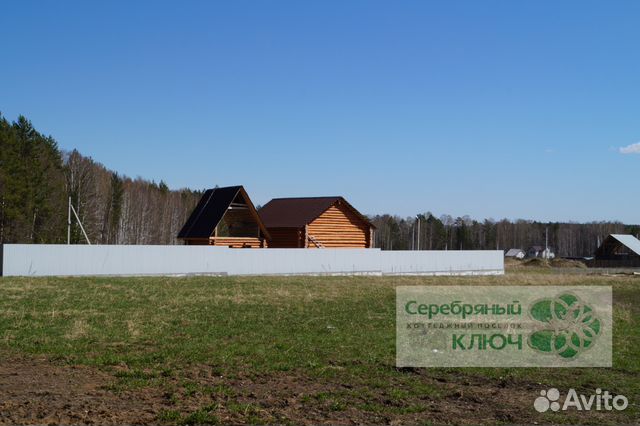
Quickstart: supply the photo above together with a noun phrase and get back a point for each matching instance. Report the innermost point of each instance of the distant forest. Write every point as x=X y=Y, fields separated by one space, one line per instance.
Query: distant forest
x=37 y=179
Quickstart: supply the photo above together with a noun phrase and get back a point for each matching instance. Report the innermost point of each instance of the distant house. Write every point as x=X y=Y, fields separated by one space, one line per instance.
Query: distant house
x=225 y=217
x=316 y=222
x=616 y=251
x=540 y=252
x=515 y=253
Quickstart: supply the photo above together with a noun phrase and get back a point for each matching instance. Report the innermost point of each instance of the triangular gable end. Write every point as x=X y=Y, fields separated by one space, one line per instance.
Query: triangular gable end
x=614 y=242
x=239 y=218
x=229 y=209
x=344 y=202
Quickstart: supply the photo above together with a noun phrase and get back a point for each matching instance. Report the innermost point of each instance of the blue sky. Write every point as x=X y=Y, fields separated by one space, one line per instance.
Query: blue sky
x=486 y=108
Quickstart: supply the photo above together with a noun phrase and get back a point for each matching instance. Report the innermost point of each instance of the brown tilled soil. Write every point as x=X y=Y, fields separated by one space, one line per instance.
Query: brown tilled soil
x=36 y=391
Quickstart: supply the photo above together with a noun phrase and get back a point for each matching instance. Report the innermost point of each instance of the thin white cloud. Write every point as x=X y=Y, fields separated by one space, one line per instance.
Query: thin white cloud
x=634 y=148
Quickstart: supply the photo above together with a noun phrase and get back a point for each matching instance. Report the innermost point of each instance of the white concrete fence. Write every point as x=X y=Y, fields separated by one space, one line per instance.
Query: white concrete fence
x=76 y=260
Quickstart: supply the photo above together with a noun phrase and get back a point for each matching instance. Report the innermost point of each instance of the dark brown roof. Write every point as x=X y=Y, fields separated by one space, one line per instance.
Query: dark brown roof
x=298 y=212
x=210 y=210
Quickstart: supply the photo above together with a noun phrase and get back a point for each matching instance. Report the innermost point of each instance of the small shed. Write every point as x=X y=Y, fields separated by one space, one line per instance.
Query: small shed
x=617 y=251
x=515 y=253
x=225 y=217
x=316 y=222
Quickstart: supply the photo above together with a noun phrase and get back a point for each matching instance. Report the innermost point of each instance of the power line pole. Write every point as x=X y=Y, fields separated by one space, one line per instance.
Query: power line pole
x=418 y=219
x=69 y=223
x=546 y=242
x=72 y=209
x=413 y=237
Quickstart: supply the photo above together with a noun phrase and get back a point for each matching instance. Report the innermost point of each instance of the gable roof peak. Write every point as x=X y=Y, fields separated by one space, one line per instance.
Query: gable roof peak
x=210 y=210
x=296 y=212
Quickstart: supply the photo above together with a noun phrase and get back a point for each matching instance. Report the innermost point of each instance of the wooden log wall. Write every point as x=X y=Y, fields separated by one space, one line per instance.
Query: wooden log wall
x=238 y=242
x=285 y=238
x=339 y=226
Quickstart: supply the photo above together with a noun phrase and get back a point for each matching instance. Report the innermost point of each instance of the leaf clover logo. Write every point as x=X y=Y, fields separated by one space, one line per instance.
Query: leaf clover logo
x=568 y=326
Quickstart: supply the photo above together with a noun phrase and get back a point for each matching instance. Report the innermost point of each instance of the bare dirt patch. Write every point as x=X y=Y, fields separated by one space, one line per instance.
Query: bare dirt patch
x=36 y=391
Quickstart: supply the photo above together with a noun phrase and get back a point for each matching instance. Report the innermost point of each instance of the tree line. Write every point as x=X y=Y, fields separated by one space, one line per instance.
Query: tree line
x=37 y=179
x=427 y=232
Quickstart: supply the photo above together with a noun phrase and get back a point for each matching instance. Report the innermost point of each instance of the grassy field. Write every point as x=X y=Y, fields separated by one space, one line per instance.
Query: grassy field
x=269 y=350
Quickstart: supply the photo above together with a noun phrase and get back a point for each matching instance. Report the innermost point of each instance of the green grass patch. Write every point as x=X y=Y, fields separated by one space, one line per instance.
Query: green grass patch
x=148 y=330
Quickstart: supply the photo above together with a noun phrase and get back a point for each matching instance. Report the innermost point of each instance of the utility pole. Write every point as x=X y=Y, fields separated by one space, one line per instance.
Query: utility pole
x=546 y=242
x=546 y=238
x=413 y=237
x=71 y=209
x=418 y=218
x=69 y=223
